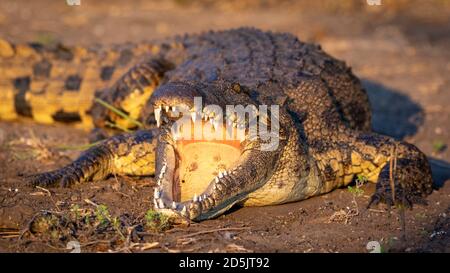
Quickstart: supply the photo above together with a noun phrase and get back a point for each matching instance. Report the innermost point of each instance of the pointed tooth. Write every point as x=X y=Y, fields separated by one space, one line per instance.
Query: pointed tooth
x=220 y=174
x=184 y=212
x=216 y=179
x=225 y=173
x=215 y=124
x=163 y=169
x=200 y=198
x=160 y=203
x=158 y=116
x=159 y=182
x=195 y=199
x=155 y=203
x=174 y=205
x=161 y=175
x=167 y=108
x=193 y=116
x=174 y=109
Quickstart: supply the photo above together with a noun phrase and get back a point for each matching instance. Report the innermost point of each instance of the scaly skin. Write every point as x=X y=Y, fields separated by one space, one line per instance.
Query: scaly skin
x=324 y=137
x=58 y=83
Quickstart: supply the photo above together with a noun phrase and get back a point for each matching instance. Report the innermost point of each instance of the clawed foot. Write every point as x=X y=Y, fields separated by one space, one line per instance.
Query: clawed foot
x=395 y=197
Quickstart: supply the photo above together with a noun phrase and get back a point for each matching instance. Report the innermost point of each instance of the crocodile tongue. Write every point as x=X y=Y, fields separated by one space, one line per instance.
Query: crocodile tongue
x=200 y=162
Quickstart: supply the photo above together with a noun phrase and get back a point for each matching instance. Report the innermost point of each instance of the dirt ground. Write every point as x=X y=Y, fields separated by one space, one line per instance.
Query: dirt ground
x=398 y=49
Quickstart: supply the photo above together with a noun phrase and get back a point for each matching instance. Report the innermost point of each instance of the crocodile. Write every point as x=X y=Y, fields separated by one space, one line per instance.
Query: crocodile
x=320 y=110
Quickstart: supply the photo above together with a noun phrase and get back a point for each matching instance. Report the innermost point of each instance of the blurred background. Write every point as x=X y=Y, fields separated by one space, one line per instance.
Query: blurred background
x=399 y=48
x=118 y=21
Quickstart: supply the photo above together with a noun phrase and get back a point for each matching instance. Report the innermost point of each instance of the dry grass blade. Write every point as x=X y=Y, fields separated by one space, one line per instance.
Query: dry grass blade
x=90 y=202
x=45 y=190
x=118 y=112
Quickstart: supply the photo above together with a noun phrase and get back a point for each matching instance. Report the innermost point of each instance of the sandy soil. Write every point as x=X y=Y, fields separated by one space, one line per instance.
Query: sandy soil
x=399 y=50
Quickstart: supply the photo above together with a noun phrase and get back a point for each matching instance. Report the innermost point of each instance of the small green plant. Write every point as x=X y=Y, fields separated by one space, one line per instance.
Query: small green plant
x=356 y=191
x=360 y=180
x=102 y=215
x=157 y=221
x=116 y=224
x=87 y=220
x=75 y=211
x=439 y=146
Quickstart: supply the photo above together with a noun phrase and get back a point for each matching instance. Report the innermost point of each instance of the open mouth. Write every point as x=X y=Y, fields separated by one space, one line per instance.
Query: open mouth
x=194 y=175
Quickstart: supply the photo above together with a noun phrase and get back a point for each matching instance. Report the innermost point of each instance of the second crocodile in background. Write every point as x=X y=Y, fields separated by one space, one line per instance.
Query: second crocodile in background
x=324 y=137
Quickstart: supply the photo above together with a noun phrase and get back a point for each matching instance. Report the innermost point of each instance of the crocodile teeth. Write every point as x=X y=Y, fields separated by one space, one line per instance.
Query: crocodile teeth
x=175 y=135
x=155 y=203
x=158 y=116
x=216 y=179
x=195 y=199
x=160 y=203
x=167 y=108
x=216 y=124
x=220 y=174
x=200 y=198
x=159 y=182
x=184 y=211
x=174 y=205
x=194 y=116
x=225 y=173
x=157 y=193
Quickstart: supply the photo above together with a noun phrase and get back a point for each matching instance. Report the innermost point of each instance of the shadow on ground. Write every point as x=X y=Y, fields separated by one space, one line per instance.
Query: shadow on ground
x=394 y=114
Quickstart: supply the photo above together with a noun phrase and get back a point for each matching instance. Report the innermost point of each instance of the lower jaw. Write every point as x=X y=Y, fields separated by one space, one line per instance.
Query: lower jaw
x=179 y=156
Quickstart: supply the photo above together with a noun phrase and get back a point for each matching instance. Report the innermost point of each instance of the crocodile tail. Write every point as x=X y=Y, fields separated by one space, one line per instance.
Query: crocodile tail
x=58 y=83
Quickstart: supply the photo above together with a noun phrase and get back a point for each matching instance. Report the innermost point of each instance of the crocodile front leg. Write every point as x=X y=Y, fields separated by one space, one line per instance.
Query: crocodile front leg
x=129 y=94
x=127 y=154
x=405 y=178
x=401 y=171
